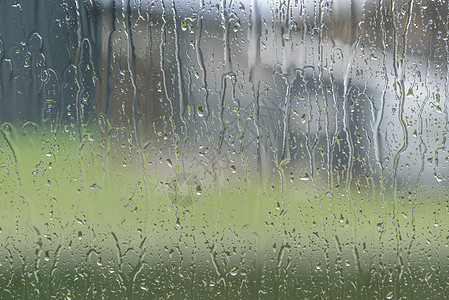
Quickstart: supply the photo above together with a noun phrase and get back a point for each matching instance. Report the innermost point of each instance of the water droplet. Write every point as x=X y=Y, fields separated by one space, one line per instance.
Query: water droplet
x=200 y=111
x=305 y=177
x=199 y=190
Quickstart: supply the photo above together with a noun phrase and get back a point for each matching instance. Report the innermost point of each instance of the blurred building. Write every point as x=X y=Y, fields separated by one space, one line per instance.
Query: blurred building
x=330 y=90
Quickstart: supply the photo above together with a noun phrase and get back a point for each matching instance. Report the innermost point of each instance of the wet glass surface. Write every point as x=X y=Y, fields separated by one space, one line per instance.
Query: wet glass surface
x=257 y=149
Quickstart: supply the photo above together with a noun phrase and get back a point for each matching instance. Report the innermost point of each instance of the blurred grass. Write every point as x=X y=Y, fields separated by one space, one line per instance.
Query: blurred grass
x=82 y=219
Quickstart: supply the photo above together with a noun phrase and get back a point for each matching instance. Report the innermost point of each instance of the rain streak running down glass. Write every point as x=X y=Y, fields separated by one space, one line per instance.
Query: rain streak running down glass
x=224 y=149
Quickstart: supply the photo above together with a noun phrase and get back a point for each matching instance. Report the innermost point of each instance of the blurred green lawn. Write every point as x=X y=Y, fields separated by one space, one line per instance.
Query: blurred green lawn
x=82 y=219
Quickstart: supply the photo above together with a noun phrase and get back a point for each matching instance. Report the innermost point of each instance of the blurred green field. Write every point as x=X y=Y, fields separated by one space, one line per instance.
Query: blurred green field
x=86 y=216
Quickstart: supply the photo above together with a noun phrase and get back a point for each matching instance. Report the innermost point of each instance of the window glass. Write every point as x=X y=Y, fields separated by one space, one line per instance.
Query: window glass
x=275 y=149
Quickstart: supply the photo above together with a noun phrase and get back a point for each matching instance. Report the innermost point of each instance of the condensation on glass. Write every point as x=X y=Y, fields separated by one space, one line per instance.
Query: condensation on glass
x=245 y=149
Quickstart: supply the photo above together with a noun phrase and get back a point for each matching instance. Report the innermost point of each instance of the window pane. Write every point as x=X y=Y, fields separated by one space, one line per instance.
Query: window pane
x=232 y=149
